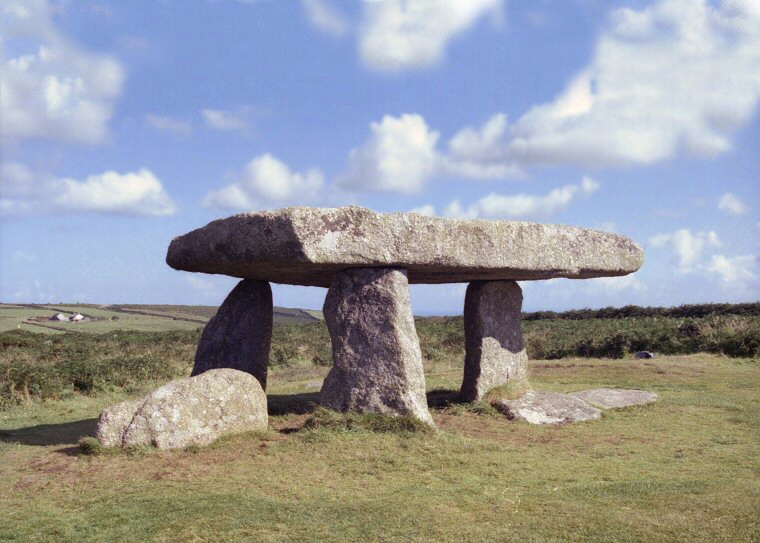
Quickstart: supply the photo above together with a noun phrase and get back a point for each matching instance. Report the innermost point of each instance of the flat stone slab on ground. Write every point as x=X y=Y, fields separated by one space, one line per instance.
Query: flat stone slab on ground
x=547 y=408
x=612 y=398
x=306 y=246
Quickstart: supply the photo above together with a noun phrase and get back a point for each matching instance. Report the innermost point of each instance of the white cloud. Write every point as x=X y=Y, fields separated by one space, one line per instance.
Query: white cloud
x=615 y=284
x=523 y=205
x=403 y=34
x=426 y=209
x=134 y=193
x=52 y=88
x=399 y=156
x=325 y=17
x=730 y=203
x=225 y=120
x=679 y=76
x=169 y=124
x=265 y=182
x=687 y=248
x=734 y=271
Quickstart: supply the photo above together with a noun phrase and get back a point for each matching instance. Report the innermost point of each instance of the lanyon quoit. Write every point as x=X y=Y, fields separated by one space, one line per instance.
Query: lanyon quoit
x=367 y=260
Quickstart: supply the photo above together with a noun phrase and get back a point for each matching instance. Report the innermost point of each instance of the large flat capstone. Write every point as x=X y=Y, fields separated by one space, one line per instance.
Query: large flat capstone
x=306 y=246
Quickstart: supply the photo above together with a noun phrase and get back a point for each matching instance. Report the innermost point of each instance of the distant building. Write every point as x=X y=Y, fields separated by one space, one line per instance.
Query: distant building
x=59 y=317
x=77 y=317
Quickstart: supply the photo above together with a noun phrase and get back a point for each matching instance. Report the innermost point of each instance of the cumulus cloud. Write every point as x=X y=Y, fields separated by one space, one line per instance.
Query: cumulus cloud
x=225 y=120
x=733 y=271
x=404 y=34
x=266 y=182
x=523 y=205
x=426 y=209
x=687 y=247
x=679 y=76
x=325 y=17
x=615 y=284
x=133 y=193
x=52 y=88
x=398 y=156
x=730 y=203
x=169 y=124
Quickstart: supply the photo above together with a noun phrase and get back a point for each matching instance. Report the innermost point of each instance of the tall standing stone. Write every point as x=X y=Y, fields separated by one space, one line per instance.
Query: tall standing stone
x=240 y=334
x=495 y=351
x=377 y=362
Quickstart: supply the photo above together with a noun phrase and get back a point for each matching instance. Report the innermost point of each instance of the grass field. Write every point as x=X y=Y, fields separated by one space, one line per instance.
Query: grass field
x=684 y=469
x=147 y=318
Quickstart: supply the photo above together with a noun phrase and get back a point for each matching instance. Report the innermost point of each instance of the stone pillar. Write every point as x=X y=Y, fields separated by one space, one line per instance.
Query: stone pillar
x=495 y=351
x=377 y=362
x=240 y=334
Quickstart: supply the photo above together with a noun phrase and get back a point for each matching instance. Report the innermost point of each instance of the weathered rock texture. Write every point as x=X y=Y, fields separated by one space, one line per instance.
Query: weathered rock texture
x=495 y=351
x=547 y=408
x=377 y=363
x=114 y=420
x=306 y=246
x=240 y=334
x=189 y=411
x=612 y=398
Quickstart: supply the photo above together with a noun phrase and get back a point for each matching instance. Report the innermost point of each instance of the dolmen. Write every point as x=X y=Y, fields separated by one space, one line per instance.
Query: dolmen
x=367 y=260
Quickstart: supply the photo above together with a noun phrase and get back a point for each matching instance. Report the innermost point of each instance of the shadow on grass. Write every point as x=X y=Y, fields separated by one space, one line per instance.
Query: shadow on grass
x=441 y=398
x=307 y=402
x=292 y=404
x=43 y=435
x=69 y=433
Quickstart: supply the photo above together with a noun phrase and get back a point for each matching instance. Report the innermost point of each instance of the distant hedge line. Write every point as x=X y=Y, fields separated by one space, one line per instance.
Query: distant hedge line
x=680 y=312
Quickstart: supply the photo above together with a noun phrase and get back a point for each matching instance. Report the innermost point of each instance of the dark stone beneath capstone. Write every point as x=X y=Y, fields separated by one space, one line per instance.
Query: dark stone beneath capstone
x=240 y=334
x=495 y=351
x=377 y=362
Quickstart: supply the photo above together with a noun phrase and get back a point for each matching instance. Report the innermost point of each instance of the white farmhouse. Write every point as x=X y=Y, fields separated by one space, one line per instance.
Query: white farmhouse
x=59 y=317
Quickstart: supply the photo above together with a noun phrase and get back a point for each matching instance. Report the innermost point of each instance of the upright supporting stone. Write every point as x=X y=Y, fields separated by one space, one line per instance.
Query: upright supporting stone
x=495 y=352
x=240 y=334
x=377 y=362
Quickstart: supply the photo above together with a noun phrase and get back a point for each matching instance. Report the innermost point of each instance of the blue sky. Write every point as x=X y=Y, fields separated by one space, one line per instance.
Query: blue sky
x=124 y=124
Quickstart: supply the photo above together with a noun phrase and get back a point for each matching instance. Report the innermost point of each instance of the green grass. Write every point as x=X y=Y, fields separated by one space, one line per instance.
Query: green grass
x=684 y=469
x=129 y=317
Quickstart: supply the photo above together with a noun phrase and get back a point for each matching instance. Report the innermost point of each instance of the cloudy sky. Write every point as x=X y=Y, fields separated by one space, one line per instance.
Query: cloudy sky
x=124 y=124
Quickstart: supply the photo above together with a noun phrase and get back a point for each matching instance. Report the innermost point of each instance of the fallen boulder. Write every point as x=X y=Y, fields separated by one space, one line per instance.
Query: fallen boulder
x=188 y=411
x=114 y=420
